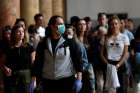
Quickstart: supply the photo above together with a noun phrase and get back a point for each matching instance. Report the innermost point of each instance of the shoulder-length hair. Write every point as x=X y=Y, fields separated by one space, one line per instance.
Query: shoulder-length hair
x=13 y=36
x=114 y=17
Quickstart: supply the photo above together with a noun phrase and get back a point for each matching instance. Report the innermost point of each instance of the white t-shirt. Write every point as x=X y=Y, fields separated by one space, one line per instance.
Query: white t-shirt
x=115 y=46
x=41 y=31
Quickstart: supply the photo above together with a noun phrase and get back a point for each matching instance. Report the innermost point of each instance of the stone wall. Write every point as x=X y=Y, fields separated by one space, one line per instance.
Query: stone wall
x=12 y=9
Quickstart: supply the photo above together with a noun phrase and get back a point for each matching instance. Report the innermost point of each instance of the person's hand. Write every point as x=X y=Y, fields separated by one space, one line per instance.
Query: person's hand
x=78 y=75
x=34 y=82
x=117 y=66
x=7 y=71
x=32 y=85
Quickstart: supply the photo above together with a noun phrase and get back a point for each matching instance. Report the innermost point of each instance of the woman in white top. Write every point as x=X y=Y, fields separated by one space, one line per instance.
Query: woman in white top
x=114 y=47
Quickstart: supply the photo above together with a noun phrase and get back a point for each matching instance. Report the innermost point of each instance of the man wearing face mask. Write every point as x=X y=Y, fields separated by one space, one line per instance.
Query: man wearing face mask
x=54 y=64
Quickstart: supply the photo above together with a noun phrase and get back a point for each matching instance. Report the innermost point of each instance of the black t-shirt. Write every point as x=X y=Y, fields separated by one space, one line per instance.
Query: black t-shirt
x=54 y=43
x=19 y=58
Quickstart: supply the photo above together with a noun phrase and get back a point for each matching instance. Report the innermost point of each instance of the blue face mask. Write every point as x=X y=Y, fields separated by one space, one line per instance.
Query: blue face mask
x=61 y=28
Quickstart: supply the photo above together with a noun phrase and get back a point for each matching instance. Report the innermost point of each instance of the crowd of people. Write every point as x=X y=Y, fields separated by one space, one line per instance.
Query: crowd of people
x=75 y=57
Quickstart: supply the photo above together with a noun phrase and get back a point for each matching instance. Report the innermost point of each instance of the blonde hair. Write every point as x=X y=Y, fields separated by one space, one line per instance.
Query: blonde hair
x=114 y=17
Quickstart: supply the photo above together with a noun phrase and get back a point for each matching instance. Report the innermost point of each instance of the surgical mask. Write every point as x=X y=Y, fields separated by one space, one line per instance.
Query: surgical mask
x=61 y=29
x=69 y=36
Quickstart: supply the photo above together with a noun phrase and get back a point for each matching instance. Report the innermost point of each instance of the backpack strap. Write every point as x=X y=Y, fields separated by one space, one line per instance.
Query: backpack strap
x=74 y=53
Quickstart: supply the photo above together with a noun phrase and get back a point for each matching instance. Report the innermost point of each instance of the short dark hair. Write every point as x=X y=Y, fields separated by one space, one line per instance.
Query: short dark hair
x=102 y=14
x=130 y=20
x=37 y=16
x=52 y=20
x=20 y=19
x=87 y=18
x=74 y=19
x=31 y=29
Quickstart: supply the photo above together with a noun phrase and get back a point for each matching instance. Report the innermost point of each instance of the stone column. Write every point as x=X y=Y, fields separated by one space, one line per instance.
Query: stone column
x=45 y=7
x=28 y=9
x=64 y=7
x=58 y=7
x=9 y=11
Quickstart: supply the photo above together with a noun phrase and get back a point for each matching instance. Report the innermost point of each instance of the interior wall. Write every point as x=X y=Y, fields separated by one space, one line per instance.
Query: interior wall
x=91 y=8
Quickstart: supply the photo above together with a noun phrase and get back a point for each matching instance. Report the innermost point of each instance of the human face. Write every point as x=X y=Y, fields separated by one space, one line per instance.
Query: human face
x=102 y=20
x=59 y=21
x=19 y=34
x=130 y=25
x=82 y=26
x=122 y=24
x=89 y=25
x=115 y=25
x=40 y=21
x=69 y=31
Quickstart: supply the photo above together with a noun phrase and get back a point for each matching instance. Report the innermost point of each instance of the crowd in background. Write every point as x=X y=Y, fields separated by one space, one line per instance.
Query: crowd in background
x=75 y=57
